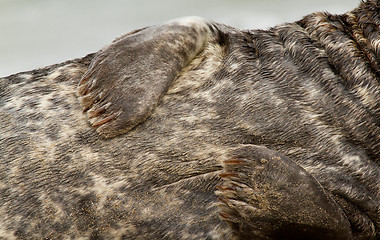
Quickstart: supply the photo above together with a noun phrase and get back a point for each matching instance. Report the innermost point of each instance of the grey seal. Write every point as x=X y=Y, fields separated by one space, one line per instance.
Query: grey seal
x=196 y=130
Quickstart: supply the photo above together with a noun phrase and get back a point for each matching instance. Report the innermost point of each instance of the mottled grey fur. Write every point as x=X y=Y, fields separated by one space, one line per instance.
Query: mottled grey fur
x=200 y=131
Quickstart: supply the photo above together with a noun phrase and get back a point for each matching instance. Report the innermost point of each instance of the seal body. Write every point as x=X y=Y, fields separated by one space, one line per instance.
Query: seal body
x=196 y=130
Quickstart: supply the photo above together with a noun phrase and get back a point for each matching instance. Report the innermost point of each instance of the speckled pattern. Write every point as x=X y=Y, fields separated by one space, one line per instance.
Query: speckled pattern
x=196 y=130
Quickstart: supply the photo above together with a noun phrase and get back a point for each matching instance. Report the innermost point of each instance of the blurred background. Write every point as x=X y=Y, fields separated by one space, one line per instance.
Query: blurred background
x=36 y=33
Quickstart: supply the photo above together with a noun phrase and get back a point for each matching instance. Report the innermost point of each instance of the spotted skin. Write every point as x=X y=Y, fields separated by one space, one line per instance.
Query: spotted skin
x=220 y=134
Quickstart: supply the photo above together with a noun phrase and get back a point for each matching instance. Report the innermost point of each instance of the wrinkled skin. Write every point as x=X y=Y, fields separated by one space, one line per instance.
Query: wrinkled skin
x=196 y=130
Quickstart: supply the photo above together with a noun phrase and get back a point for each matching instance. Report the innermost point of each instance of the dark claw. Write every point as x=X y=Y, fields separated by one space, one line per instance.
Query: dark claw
x=105 y=120
x=97 y=112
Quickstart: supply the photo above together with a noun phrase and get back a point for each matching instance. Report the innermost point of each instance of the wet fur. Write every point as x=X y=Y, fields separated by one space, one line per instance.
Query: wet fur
x=306 y=92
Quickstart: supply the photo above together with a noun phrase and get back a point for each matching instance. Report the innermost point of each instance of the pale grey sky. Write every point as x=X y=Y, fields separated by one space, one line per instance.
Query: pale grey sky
x=35 y=33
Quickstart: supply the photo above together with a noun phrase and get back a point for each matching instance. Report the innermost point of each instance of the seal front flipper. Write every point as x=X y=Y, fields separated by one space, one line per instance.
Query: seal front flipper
x=265 y=195
x=126 y=79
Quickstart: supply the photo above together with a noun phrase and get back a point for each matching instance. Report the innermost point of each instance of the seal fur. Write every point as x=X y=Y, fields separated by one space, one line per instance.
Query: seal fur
x=242 y=119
